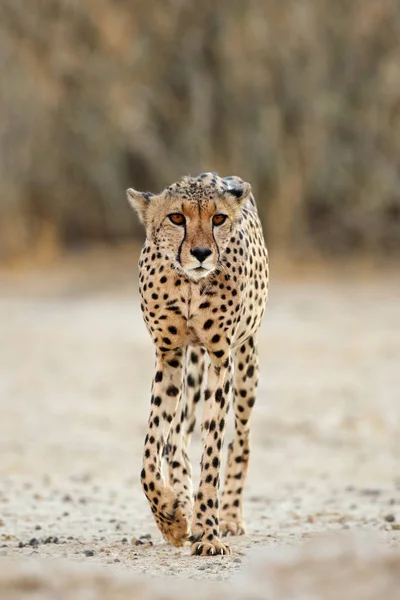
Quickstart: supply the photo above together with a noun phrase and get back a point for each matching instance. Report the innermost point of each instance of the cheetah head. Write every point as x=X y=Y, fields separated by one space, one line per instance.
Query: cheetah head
x=192 y=220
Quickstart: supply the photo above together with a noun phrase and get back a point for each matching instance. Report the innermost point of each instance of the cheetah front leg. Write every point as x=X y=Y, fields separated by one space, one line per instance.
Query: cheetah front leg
x=166 y=394
x=246 y=375
x=205 y=526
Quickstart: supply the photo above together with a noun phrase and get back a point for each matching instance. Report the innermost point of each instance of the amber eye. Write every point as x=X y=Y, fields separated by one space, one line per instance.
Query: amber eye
x=177 y=218
x=218 y=219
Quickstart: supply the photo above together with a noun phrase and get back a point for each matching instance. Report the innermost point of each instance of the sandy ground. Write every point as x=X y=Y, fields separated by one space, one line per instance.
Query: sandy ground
x=75 y=371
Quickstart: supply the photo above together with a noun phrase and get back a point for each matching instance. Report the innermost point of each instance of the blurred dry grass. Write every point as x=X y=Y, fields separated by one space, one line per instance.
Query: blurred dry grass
x=301 y=97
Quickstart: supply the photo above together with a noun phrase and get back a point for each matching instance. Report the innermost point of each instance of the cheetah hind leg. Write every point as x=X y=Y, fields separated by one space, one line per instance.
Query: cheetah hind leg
x=179 y=466
x=245 y=389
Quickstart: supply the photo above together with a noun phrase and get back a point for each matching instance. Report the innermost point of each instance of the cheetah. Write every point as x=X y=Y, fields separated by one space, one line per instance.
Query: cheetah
x=203 y=282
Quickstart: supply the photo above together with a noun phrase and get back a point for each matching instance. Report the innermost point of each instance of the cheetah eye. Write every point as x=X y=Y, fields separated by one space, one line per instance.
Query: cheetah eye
x=177 y=218
x=218 y=219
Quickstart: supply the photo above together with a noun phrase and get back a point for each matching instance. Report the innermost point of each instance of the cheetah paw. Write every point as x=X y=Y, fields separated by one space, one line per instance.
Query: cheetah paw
x=213 y=548
x=173 y=524
x=230 y=527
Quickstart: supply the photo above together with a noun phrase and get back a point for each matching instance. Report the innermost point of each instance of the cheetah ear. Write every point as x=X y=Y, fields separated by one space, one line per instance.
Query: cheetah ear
x=237 y=188
x=139 y=201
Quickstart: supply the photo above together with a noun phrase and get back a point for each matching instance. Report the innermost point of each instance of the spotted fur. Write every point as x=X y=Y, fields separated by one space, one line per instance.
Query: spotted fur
x=203 y=280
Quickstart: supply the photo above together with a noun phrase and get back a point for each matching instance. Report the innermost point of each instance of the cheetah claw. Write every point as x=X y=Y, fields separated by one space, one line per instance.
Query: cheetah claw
x=210 y=549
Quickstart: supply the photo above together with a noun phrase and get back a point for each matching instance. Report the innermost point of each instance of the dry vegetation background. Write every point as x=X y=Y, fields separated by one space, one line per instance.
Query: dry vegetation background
x=301 y=97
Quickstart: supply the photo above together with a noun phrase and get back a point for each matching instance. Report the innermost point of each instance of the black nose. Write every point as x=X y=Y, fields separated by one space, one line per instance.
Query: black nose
x=200 y=253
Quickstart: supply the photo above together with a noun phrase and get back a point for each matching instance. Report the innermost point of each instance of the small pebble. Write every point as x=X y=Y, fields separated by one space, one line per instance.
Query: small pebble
x=88 y=553
x=33 y=542
x=21 y=545
x=237 y=560
x=37 y=527
x=371 y=492
x=390 y=518
x=116 y=560
x=124 y=540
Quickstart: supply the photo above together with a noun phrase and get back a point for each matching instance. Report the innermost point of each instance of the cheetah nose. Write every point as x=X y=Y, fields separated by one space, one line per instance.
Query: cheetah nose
x=200 y=253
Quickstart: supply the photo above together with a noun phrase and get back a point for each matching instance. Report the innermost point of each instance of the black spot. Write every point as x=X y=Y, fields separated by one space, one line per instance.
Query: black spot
x=204 y=305
x=208 y=324
x=172 y=390
x=158 y=376
x=190 y=380
x=215 y=339
x=174 y=363
x=250 y=371
x=172 y=330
